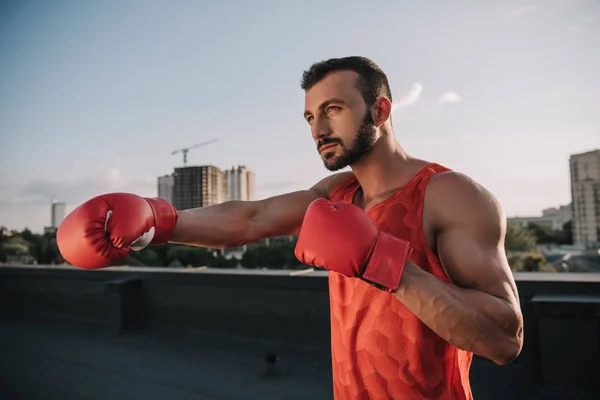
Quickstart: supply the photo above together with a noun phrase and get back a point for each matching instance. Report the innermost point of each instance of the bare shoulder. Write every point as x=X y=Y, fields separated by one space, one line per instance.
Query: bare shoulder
x=455 y=199
x=328 y=184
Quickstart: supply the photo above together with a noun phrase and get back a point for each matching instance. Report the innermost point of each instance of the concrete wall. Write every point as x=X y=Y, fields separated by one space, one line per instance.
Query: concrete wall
x=561 y=311
x=280 y=307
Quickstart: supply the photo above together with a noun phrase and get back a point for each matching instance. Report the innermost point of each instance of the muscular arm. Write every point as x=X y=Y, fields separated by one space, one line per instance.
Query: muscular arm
x=481 y=311
x=235 y=223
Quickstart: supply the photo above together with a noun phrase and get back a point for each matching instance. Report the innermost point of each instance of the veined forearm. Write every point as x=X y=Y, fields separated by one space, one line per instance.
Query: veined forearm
x=222 y=225
x=469 y=319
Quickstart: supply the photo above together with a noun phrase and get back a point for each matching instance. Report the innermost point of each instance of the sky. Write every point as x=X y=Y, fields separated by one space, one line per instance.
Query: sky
x=95 y=95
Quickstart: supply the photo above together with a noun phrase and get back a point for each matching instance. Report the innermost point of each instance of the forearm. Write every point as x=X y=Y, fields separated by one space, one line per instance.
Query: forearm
x=222 y=225
x=471 y=320
x=235 y=223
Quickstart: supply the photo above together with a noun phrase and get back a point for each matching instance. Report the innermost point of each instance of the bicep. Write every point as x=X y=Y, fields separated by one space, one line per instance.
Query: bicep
x=476 y=260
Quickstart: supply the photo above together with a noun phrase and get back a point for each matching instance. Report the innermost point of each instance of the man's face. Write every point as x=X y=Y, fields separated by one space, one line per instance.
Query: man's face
x=341 y=124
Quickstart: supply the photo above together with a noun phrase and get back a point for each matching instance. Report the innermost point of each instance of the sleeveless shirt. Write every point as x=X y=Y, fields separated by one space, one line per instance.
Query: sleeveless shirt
x=380 y=349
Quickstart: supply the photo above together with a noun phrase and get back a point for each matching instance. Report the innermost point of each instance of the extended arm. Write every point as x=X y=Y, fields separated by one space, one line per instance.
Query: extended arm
x=480 y=312
x=103 y=230
x=235 y=223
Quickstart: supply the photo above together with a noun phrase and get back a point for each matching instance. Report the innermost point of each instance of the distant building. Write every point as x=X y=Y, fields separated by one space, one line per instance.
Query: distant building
x=58 y=212
x=240 y=183
x=198 y=186
x=524 y=222
x=552 y=218
x=15 y=245
x=165 y=187
x=585 y=193
x=23 y=259
x=559 y=216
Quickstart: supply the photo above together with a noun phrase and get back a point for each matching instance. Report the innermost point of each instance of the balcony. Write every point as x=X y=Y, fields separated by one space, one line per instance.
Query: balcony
x=151 y=333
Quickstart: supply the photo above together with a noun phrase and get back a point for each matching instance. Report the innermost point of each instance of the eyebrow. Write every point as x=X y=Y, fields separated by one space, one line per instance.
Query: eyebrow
x=333 y=100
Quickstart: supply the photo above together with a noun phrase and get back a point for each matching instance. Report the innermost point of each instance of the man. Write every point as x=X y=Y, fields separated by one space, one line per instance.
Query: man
x=418 y=279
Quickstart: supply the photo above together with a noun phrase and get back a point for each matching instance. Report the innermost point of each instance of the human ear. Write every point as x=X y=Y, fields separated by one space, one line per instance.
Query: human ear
x=381 y=110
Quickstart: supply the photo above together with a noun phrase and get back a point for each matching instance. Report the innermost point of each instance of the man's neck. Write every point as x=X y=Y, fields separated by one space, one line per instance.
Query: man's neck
x=385 y=169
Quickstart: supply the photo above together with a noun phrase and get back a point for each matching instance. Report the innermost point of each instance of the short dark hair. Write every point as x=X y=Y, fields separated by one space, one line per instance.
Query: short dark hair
x=372 y=81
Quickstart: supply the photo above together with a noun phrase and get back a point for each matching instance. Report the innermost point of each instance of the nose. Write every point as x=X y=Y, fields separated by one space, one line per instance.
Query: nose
x=320 y=128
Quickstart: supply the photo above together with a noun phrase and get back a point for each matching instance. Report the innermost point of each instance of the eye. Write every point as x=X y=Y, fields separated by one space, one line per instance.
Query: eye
x=309 y=119
x=332 y=108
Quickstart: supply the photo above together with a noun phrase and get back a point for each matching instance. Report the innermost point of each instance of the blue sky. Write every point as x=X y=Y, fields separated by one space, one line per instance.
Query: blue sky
x=95 y=95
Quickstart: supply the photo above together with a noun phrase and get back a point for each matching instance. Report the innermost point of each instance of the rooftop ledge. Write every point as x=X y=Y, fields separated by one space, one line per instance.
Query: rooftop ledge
x=309 y=272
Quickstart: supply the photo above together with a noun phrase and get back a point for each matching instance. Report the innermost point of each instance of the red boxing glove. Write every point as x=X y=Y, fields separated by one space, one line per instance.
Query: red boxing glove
x=341 y=237
x=105 y=229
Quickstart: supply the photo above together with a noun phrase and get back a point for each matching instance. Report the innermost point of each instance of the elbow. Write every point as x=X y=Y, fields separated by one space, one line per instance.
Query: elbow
x=238 y=239
x=508 y=357
x=232 y=244
x=244 y=228
x=508 y=352
x=244 y=234
x=511 y=346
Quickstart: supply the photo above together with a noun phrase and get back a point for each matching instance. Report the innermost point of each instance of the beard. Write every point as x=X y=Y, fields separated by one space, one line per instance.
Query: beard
x=363 y=143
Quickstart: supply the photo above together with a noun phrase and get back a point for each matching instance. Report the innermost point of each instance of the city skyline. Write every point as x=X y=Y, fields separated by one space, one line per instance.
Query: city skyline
x=96 y=96
x=536 y=217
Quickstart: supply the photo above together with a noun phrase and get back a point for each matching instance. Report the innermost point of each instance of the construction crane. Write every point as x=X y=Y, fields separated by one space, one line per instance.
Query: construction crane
x=186 y=149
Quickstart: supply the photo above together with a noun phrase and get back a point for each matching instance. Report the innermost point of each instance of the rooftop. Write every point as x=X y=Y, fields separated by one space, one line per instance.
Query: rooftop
x=207 y=334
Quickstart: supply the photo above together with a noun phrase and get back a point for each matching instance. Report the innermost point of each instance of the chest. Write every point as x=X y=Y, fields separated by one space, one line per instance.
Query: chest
x=402 y=214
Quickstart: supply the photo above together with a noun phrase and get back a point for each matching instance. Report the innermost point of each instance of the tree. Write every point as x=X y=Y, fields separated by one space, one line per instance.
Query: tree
x=566 y=234
x=543 y=234
x=189 y=255
x=290 y=259
x=263 y=257
x=147 y=257
x=222 y=262
x=532 y=262
x=250 y=259
x=280 y=256
x=519 y=239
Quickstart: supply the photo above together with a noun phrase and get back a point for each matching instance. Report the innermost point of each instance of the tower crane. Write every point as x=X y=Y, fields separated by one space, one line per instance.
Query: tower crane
x=186 y=149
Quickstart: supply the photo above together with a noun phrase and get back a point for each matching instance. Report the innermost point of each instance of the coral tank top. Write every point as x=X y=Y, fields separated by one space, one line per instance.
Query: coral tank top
x=380 y=349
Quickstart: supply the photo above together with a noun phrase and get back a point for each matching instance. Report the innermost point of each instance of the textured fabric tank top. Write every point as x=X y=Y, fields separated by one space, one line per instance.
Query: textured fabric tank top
x=380 y=349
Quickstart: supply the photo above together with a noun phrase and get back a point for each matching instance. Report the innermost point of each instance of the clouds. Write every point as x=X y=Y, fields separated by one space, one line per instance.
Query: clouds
x=415 y=94
x=42 y=191
x=449 y=98
x=27 y=204
x=409 y=98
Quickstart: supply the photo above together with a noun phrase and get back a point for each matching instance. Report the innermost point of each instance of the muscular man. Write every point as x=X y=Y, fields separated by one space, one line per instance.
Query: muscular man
x=418 y=277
